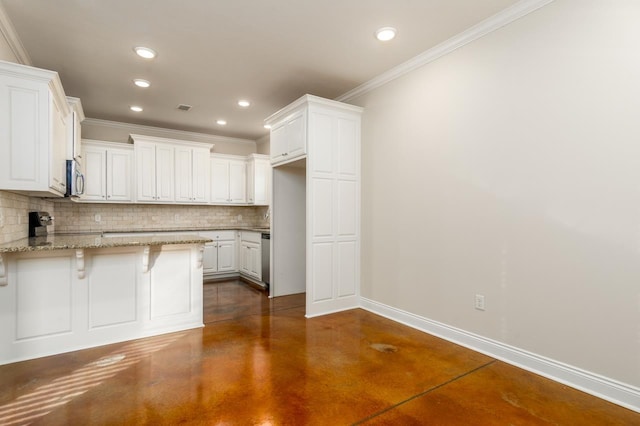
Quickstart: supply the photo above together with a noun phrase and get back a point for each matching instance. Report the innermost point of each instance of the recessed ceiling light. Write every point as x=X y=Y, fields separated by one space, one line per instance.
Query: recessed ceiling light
x=141 y=83
x=267 y=126
x=243 y=103
x=386 y=33
x=135 y=108
x=222 y=122
x=145 y=52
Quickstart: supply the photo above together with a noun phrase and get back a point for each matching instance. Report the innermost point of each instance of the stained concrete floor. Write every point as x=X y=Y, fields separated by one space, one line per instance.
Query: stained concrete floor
x=260 y=362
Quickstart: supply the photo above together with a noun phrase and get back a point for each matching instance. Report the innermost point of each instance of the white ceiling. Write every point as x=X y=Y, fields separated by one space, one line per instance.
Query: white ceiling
x=213 y=53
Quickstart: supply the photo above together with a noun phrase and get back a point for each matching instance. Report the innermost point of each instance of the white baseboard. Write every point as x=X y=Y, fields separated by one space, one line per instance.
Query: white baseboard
x=619 y=393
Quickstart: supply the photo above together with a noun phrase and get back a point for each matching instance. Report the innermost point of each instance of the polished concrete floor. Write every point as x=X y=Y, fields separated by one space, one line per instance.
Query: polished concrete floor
x=260 y=362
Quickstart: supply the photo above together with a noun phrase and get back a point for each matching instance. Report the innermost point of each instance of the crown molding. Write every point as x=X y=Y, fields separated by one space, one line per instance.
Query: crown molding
x=168 y=133
x=479 y=30
x=9 y=33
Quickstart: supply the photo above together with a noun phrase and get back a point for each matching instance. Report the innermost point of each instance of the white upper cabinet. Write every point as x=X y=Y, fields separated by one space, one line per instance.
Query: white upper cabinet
x=33 y=132
x=108 y=171
x=74 y=141
x=228 y=179
x=258 y=180
x=192 y=175
x=288 y=136
x=154 y=172
x=169 y=170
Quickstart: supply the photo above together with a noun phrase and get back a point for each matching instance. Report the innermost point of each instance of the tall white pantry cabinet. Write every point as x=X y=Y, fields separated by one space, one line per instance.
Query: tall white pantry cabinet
x=316 y=203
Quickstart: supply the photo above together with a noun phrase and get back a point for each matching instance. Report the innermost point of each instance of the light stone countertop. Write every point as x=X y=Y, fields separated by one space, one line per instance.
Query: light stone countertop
x=95 y=240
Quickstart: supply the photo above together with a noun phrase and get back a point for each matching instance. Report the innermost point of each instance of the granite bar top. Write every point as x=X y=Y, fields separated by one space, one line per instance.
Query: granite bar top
x=95 y=240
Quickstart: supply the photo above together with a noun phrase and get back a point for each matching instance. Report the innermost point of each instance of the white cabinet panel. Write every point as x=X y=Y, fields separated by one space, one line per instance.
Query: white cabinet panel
x=321 y=139
x=164 y=173
x=322 y=271
x=227 y=256
x=108 y=172
x=112 y=301
x=33 y=131
x=184 y=175
x=347 y=274
x=296 y=136
x=95 y=164
x=119 y=175
x=145 y=171
x=323 y=207
x=251 y=254
x=258 y=180
x=347 y=209
x=210 y=258
x=44 y=299
x=237 y=181
x=192 y=175
x=219 y=180
x=289 y=138
x=228 y=180
x=168 y=299
x=201 y=175
x=348 y=136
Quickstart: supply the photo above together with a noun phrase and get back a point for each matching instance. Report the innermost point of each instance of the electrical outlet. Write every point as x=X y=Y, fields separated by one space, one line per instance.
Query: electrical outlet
x=239 y=218
x=176 y=217
x=97 y=218
x=1 y=219
x=479 y=302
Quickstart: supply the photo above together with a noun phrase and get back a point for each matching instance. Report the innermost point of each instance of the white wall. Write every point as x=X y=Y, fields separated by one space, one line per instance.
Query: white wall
x=511 y=168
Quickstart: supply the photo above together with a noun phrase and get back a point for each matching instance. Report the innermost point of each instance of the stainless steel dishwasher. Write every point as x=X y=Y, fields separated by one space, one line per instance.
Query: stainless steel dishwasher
x=266 y=257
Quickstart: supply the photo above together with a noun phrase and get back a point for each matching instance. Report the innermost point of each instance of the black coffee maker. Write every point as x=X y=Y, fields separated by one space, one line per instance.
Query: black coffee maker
x=38 y=222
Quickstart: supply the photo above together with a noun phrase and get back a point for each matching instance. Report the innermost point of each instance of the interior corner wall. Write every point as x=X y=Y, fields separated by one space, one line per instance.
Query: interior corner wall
x=511 y=168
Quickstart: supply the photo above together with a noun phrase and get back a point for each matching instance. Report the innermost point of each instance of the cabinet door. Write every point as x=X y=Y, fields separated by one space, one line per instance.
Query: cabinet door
x=255 y=261
x=210 y=258
x=145 y=171
x=165 y=170
x=227 y=256
x=261 y=182
x=237 y=181
x=201 y=175
x=95 y=187
x=244 y=257
x=220 y=181
x=58 y=147
x=278 y=142
x=119 y=163
x=296 y=136
x=184 y=175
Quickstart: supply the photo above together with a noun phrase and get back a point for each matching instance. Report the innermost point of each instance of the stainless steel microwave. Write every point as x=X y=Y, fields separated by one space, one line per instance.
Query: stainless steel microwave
x=75 y=179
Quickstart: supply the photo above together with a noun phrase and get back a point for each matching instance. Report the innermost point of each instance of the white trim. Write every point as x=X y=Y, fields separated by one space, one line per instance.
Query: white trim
x=499 y=20
x=9 y=33
x=169 y=133
x=611 y=390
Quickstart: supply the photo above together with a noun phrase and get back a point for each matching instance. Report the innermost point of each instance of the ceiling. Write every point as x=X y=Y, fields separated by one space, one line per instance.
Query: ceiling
x=213 y=53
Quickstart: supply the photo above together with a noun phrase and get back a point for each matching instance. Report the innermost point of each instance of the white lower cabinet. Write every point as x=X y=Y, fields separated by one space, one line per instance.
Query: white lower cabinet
x=251 y=255
x=220 y=255
x=64 y=300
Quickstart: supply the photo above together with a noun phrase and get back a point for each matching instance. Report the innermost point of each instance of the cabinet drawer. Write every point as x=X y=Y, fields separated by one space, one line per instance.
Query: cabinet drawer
x=250 y=236
x=218 y=235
